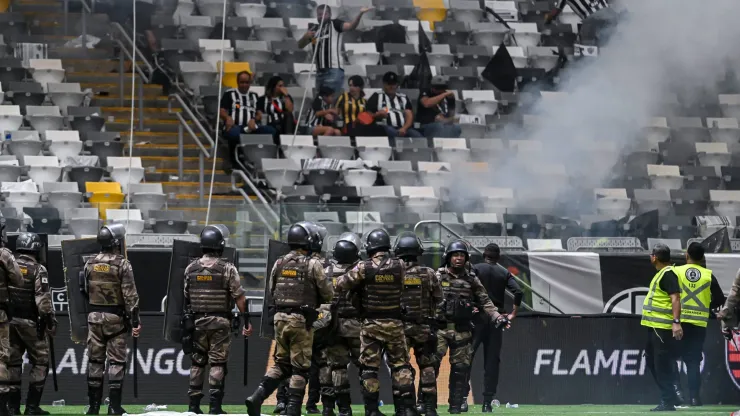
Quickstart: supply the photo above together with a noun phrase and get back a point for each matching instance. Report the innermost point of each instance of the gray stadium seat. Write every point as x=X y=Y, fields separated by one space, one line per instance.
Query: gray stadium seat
x=651 y=199
x=253 y=51
x=11 y=70
x=43 y=118
x=168 y=222
x=147 y=197
x=256 y=147
x=452 y=33
x=197 y=74
x=62 y=195
x=178 y=50
x=83 y=174
x=287 y=52
x=400 y=54
x=336 y=147
x=472 y=55
x=413 y=149
x=24 y=94
x=86 y=119
x=43 y=220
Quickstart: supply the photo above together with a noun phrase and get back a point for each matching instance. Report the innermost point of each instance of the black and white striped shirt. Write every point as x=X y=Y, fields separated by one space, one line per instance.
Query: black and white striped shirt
x=273 y=109
x=584 y=8
x=396 y=107
x=318 y=105
x=241 y=107
x=329 y=44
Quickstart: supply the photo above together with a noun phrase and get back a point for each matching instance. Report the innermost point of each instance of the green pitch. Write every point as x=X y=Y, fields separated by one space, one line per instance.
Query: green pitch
x=523 y=410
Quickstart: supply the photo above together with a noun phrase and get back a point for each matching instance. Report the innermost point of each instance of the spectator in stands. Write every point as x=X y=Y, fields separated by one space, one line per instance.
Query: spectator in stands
x=394 y=107
x=352 y=103
x=239 y=113
x=324 y=116
x=328 y=46
x=598 y=19
x=277 y=106
x=436 y=112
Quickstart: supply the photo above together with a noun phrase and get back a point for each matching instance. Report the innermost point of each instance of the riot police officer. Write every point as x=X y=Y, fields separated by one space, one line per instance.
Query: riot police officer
x=10 y=274
x=422 y=295
x=381 y=281
x=345 y=342
x=33 y=320
x=212 y=287
x=298 y=286
x=463 y=293
x=113 y=305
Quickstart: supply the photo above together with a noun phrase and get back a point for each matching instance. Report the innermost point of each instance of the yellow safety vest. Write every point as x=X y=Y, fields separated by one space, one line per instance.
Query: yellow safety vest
x=696 y=293
x=656 y=309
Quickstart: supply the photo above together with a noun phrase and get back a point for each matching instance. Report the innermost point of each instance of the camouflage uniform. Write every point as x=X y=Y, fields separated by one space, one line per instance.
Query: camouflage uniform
x=31 y=303
x=421 y=296
x=211 y=287
x=10 y=274
x=112 y=296
x=462 y=292
x=382 y=329
x=345 y=344
x=729 y=311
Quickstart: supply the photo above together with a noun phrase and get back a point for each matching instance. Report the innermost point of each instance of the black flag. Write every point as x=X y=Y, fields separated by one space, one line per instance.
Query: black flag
x=500 y=70
x=421 y=76
x=425 y=45
x=719 y=242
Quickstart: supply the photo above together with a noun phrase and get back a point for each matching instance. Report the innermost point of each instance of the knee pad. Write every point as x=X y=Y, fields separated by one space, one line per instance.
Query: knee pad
x=301 y=373
x=196 y=362
x=460 y=368
x=285 y=369
x=367 y=372
x=112 y=363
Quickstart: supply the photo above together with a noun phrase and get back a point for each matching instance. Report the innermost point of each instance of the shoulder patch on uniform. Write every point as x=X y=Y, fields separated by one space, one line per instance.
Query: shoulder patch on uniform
x=45 y=280
x=445 y=284
x=101 y=268
x=24 y=270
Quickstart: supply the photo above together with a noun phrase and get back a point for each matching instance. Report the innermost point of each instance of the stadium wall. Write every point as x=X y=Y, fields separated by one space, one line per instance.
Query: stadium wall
x=545 y=360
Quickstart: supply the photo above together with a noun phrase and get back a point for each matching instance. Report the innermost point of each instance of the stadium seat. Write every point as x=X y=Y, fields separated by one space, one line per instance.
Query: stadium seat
x=713 y=154
x=43 y=118
x=130 y=218
x=270 y=29
x=237 y=28
x=440 y=56
x=299 y=26
x=379 y=198
x=612 y=202
x=452 y=32
x=688 y=129
x=65 y=95
x=497 y=200
x=168 y=222
x=330 y=220
x=460 y=78
x=84 y=174
x=373 y=148
x=281 y=172
x=352 y=7
x=82 y=221
x=724 y=130
x=527 y=35
x=730 y=105
x=263 y=72
x=287 y=51
x=11 y=70
x=105 y=149
x=104 y=196
x=665 y=177
x=363 y=54
x=360 y=222
x=543 y=57
x=19 y=195
x=305 y=75
x=125 y=170
x=175 y=51
x=321 y=173
x=398 y=173
x=256 y=147
x=25 y=94
x=508 y=10
x=45 y=71
x=43 y=169
x=253 y=51
x=561 y=228
x=487 y=34
x=375 y=74
x=640 y=159
x=336 y=147
x=24 y=143
x=652 y=199
x=10 y=117
x=297 y=147
x=435 y=174
x=419 y=199
x=197 y=74
x=524 y=226
x=466 y=11
x=164 y=26
x=250 y=10
x=396 y=10
x=483 y=224
x=656 y=131
x=486 y=150
x=692 y=202
x=62 y=195
x=13 y=222
x=359 y=176
x=43 y=220
x=231 y=70
x=413 y=149
x=86 y=119
x=287 y=10
x=700 y=177
x=10 y=169
x=481 y=102
x=213 y=8
x=211 y=50
x=400 y=54
x=196 y=27
x=451 y=150
x=527 y=149
x=730 y=177
x=725 y=203
x=678 y=227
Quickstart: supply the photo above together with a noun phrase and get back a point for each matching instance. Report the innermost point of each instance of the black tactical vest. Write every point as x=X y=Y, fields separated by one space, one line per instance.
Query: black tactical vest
x=416 y=293
x=23 y=298
x=383 y=287
x=458 y=296
x=208 y=288
x=104 y=284
x=345 y=309
x=292 y=288
x=4 y=297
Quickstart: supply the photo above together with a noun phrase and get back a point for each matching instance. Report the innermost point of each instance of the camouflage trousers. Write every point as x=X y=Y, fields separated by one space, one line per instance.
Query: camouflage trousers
x=460 y=344
x=4 y=357
x=293 y=351
x=211 y=346
x=23 y=338
x=339 y=354
x=387 y=336
x=420 y=338
x=106 y=339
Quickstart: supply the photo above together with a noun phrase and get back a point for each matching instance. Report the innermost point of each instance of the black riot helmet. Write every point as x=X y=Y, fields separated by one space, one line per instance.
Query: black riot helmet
x=213 y=238
x=299 y=237
x=347 y=248
x=457 y=246
x=28 y=243
x=317 y=233
x=377 y=240
x=111 y=236
x=408 y=245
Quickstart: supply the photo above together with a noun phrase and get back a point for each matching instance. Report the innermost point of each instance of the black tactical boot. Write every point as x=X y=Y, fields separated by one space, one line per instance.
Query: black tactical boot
x=4 y=403
x=214 y=404
x=679 y=401
x=114 y=406
x=194 y=405
x=344 y=403
x=295 y=401
x=371 y=403
x=264 y=390
x=696 y=401
x=32 y=402
x=313 y=400
x=279 y=409
x=409 y=404
x=399 y=405
x=664 y=407
x=94 y=396
x=430 y=404
x=14 y=402
x=327 y=402
x=464 y=406
x=487 y=408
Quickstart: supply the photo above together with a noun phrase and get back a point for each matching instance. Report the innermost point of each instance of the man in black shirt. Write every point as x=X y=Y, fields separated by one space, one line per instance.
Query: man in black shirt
x=436 y=113
x=394 y=107
x=496 y=279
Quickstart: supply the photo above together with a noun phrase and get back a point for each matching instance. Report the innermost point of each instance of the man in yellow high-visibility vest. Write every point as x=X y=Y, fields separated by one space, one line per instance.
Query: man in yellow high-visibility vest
x=661 y=312
x=700 y=292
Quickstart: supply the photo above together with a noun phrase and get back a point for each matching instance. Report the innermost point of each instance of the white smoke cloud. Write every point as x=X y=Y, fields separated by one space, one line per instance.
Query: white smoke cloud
x=662 y=47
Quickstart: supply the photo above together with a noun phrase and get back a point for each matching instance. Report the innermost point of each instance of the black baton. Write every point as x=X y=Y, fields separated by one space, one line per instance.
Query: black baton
x=246 y=349
x=52 y=356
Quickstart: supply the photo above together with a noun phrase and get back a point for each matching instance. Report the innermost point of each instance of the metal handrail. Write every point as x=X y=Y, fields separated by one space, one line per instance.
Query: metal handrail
x=189 y=129
x=138 y=69
x=190 y=114
x=139 y=55
x=520 y=281
x=237 y=173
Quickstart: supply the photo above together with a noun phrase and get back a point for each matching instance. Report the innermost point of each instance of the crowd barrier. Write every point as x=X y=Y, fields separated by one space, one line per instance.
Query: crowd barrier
x=545 y=360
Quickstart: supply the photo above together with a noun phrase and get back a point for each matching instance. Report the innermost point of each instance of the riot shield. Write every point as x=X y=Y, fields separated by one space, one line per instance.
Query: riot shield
x=75 y=253
x=183 y=253
x=275 y=249
x=42 y=256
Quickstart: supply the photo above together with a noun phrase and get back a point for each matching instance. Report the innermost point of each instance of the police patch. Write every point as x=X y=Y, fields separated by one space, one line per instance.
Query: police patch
x=445 y=284
x=415 y=281
x=101 y=268
x=204 y=278
x=693 y=275
x=24 y=270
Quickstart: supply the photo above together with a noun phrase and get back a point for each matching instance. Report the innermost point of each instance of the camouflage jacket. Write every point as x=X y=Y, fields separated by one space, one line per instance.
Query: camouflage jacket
x=235 y=287
x=42 y=289
x=316 y=275
x=480 y=295
x=128 y=289
x=13 y=273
